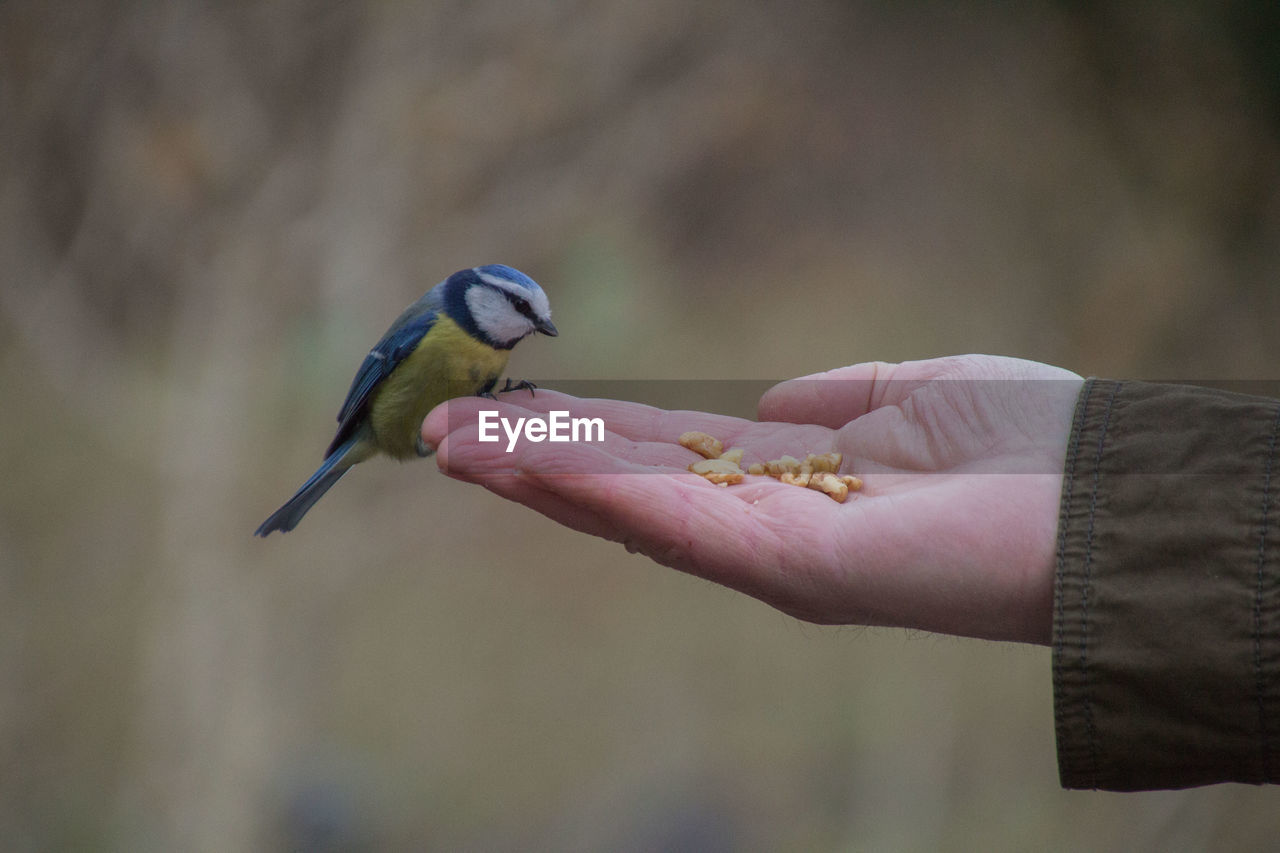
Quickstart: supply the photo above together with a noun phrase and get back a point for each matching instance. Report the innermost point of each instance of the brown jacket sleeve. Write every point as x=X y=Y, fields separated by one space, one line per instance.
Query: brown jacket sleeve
x=1166 y=643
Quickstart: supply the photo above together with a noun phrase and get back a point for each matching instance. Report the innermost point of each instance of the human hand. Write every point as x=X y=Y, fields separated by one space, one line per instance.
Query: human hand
x=954 y=530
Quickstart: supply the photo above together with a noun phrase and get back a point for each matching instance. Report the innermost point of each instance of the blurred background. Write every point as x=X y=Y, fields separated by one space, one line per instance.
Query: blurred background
x=209 y=211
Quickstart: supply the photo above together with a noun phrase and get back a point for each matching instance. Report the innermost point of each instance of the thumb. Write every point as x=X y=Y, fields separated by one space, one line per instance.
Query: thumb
x=830 y=399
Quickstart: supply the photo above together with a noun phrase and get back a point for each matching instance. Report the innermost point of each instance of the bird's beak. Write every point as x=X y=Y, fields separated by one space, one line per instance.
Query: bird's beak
x=546 y=327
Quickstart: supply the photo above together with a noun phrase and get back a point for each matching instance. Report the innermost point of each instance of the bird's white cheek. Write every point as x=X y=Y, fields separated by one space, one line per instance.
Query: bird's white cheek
x=495 y=316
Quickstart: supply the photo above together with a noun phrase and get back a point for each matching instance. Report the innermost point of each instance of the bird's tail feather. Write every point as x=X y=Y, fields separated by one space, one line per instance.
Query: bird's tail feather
x=330 y=471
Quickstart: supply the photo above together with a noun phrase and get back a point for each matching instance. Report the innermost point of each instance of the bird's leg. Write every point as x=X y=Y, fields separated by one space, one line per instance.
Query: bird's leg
x=423 y=450
x=518 y=386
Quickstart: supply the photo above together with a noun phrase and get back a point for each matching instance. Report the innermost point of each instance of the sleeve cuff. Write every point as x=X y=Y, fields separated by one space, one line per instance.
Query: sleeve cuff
x=1166 y=627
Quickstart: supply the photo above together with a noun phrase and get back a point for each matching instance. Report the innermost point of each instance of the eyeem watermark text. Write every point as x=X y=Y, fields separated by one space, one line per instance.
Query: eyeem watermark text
x=556 y=426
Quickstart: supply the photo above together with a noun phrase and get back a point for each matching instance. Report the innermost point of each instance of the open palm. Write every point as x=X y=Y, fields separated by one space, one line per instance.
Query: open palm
x=953 y=531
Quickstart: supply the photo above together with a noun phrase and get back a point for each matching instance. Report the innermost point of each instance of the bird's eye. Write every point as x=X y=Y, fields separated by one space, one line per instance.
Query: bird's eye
x=522 y=305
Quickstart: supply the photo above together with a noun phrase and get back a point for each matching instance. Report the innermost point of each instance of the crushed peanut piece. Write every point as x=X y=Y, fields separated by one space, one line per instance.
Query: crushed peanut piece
x=825 y=461
x=705 y=445
x=797 y=479
x=817 y=471
x=830 y=485
x=719 y=471
x=777 y=467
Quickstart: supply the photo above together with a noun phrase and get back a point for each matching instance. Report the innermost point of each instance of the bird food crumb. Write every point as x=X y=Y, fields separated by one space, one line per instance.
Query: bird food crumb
x=819 y=471
x=720 y=471
x=705 y=445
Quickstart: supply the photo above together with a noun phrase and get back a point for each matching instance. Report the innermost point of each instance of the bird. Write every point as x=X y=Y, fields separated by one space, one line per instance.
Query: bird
x=452 y=342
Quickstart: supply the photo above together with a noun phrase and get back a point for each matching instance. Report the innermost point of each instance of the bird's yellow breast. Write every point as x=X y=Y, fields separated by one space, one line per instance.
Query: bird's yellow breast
x=447 y=363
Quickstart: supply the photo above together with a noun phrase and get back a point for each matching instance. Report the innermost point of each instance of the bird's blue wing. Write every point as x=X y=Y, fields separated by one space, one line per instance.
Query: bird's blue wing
x=399 y=341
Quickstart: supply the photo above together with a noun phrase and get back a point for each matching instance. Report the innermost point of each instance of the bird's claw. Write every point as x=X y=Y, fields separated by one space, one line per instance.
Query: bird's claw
x=523 y=384
x=508 y=385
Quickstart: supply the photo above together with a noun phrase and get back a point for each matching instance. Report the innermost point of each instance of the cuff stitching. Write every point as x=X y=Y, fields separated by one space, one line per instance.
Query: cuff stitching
x=1260 y=681
x=1090 y=730
x=1068 y=492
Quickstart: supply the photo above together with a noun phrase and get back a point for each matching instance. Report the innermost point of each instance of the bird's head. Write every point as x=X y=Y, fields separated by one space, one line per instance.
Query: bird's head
x=497 y=304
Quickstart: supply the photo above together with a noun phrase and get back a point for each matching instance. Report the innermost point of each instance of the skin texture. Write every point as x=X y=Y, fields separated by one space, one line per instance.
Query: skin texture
x=953 y=532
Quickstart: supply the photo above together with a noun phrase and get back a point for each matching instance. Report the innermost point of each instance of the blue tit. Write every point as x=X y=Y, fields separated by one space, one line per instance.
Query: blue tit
x=453 y=342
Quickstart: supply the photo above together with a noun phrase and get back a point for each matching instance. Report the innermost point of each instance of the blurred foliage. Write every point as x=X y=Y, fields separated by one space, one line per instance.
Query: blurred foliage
x=207 y=212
